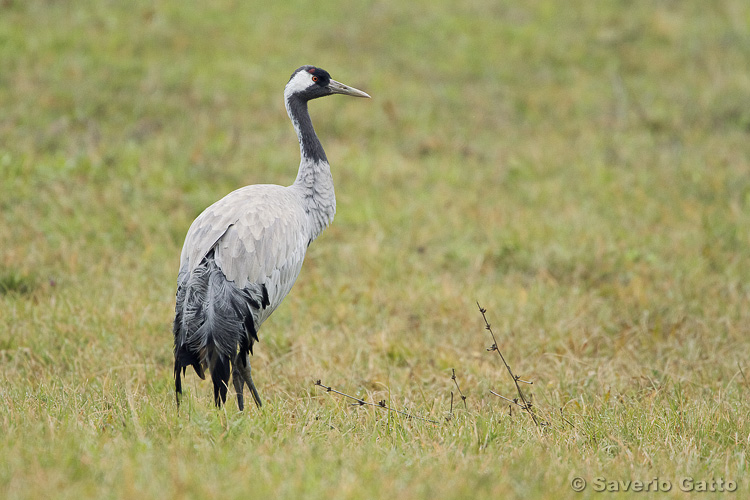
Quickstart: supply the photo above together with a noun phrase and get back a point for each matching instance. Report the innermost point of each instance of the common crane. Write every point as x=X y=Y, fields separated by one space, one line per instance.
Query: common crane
x=243 y=253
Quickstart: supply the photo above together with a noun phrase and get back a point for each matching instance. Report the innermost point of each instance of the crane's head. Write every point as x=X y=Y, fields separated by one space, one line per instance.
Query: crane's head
x=309 y=82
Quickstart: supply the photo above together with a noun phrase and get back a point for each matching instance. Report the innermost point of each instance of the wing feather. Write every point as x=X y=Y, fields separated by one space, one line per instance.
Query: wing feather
x=259 y=235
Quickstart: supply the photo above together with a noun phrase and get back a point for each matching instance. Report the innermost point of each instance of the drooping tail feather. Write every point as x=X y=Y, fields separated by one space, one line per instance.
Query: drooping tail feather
x=213 y=321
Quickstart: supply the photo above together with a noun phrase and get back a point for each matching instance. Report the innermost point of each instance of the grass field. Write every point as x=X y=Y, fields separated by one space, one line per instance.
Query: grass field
x=581 y=169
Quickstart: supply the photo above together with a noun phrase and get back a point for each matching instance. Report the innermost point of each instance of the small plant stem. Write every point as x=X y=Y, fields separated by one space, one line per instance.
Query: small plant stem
x=526 y=405
x=380 y=404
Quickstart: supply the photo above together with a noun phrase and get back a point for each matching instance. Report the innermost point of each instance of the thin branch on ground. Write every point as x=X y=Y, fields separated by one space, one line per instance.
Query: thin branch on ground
x=742 y=372
x=566 y=420
x=525 y=404
x=379 y=404
x=463 y=398
x=511 y=401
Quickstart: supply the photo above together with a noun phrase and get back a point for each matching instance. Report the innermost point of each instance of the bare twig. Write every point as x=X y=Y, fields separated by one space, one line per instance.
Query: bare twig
x=742 y=372
x=379 y=404
x=511 y=401
x=526 y=405
x=450 y=414
x=565 y=419
x=455 y=381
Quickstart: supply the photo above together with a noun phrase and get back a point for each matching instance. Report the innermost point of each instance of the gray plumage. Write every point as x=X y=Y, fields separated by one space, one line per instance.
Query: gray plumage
x=243 y=253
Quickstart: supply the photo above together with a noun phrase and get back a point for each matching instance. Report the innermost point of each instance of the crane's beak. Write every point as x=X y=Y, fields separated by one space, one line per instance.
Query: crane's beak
x=340 y=88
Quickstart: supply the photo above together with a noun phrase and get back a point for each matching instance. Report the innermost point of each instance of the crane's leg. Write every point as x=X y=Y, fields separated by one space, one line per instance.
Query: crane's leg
x=241 y=375
x=238 y=380
x=245 y=367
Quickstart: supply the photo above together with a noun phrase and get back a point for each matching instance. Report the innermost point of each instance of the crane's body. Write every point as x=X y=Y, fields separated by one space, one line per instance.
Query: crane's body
x=243 y=253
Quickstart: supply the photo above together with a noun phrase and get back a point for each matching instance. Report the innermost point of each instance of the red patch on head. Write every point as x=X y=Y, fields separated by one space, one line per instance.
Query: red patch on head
x=311 y=70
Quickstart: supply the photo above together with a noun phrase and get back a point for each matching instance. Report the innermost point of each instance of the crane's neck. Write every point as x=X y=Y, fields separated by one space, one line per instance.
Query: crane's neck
x=314 y=181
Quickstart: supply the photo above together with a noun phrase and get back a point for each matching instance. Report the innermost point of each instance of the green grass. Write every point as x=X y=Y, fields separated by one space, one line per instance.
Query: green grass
x=581 y=169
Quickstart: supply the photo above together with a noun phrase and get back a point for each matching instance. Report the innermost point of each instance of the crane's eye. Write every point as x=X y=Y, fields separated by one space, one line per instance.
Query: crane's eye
x=314 y=78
